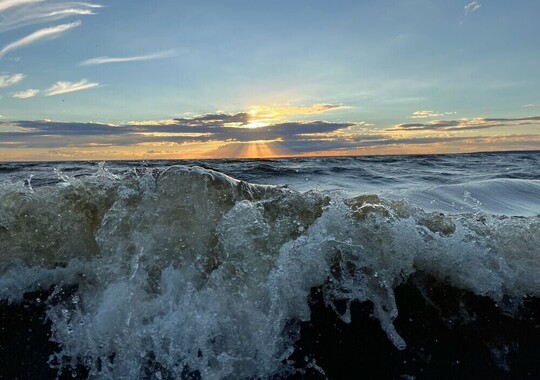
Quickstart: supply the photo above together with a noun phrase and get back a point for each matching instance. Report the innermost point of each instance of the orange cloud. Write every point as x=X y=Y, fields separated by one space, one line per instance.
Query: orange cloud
x=230 y=135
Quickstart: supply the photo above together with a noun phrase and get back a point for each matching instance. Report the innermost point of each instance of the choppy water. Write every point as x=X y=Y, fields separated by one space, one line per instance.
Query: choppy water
x=207 y=269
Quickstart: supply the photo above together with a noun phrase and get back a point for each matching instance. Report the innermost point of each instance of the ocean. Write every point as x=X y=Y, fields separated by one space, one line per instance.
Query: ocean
x=382 y=267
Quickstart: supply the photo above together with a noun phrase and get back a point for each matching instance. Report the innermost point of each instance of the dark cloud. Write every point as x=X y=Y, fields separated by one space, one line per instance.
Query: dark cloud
x=44 y=133
x=285 y=131
x=46 y=127
x=466 y=124
x=432 y=125
x=522 y=119
x=292 y=138
x=214 y=120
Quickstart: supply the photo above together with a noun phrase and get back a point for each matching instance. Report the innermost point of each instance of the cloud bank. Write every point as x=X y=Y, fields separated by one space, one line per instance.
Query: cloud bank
x=233 y=135
x=466 y=124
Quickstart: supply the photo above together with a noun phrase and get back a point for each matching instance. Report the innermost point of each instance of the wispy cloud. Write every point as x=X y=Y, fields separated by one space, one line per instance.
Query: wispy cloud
x=10 y=79
x=428 y=114
x=25 y=94
x=7 y=4
x=530 y=105
x=138 y=58
x=64 y=87
x=264 y=111
x=46 y=33
x=466 y=124
x=472 y=7
x=28 y=12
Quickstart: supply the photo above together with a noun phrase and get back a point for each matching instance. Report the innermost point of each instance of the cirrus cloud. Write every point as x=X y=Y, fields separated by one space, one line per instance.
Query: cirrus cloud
x=139 y=58
x=42 y=34
x=25 y=94
x=7 y=4
x=64 y=87
x=18 y=13
x=10 y=79
x=472 y=7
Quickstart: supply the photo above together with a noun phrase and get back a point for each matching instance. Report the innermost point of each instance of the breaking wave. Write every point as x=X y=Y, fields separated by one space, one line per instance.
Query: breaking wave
x=189 y=273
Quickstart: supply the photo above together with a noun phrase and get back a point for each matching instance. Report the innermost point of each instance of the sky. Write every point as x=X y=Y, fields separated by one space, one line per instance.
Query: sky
x=171 y=79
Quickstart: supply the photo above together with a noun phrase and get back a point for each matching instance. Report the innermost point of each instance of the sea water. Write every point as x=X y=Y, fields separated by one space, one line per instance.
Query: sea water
x=211 y=269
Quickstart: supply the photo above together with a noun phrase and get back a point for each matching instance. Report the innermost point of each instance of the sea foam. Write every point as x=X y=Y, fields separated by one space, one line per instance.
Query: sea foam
x=197 y=272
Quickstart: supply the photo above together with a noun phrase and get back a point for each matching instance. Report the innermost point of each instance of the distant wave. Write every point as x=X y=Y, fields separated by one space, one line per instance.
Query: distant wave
x=504 y=196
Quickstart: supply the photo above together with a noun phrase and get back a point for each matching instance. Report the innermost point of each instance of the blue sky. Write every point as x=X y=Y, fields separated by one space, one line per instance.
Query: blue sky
x=369 y=72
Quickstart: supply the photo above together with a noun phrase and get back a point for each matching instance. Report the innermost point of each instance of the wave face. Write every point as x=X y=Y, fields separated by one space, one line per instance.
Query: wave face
x=185 y=272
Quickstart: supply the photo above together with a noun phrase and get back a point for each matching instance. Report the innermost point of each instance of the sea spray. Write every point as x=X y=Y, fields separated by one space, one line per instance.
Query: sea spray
x=191 y=271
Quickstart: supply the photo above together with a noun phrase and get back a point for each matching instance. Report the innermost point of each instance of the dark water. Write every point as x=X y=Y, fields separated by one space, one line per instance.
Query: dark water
x=401 y=267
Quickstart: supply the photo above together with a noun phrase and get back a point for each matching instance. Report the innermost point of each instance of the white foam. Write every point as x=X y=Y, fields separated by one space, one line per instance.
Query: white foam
x=193 y=269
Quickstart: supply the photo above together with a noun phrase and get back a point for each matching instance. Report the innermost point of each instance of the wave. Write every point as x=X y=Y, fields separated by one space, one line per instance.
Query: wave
x=200 y=272
x=501 y=196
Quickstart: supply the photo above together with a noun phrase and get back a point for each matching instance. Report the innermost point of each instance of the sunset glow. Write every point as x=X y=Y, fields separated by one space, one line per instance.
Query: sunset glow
x=85 y=81
x=251 y=149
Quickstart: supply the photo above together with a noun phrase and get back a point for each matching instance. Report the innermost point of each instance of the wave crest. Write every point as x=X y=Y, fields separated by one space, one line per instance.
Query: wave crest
x=205 y=273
